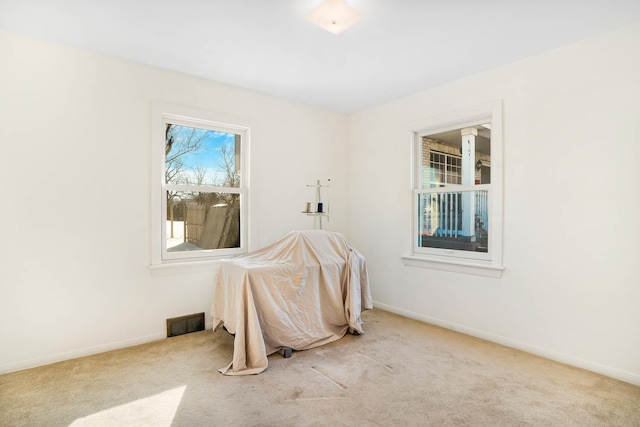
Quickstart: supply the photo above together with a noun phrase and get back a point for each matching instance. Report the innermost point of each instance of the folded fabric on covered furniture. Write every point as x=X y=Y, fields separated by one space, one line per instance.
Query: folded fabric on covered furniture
x=305 y=290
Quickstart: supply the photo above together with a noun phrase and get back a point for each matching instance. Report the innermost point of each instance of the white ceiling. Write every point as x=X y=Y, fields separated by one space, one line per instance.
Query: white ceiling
x=401 y=47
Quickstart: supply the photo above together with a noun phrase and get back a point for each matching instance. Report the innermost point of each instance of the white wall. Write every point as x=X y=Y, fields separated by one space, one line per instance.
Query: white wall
x=75 y=177
x=571 y=288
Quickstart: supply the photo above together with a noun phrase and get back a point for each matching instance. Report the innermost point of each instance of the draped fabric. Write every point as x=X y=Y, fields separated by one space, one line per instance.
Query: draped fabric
x=302 y=291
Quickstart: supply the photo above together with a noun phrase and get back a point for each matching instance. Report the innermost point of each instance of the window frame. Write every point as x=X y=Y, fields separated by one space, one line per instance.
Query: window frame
x=164 y=113
x=485 y=264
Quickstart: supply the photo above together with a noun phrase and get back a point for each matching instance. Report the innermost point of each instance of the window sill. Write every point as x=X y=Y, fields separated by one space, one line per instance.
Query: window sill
x=172 y=268
x=453 y=265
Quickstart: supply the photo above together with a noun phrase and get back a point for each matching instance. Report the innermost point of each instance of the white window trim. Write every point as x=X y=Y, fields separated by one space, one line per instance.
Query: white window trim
x=447 y=259
x=203 y=260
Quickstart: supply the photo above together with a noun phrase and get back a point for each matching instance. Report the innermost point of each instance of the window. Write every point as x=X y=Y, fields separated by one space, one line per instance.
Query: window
x=199 y=186
x=457 y=195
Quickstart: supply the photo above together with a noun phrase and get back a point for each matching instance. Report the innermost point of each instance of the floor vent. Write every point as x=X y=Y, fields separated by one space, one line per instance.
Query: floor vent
x=185 y=324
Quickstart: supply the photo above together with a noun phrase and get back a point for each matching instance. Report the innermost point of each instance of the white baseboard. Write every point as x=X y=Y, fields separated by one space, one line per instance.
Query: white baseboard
x=519 y=345
x=87 y=351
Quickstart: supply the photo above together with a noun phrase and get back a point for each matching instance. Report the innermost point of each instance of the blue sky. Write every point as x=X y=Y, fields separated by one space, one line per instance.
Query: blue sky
x=208 y=157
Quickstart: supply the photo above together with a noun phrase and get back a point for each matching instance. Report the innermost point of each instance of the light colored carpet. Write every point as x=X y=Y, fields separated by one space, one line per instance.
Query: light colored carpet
x=400 y=372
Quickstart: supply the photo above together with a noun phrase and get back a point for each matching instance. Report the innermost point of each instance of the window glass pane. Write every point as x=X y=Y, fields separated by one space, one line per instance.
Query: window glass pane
x=196 y=156
x=457 y=157
x=202 y=220
x=454 y=220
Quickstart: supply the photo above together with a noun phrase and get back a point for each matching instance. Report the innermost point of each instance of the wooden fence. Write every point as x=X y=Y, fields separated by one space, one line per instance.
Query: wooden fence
x=212 y=227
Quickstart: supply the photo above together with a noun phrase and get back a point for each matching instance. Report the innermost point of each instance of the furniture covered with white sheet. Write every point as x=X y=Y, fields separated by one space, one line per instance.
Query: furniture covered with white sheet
x=305 y=290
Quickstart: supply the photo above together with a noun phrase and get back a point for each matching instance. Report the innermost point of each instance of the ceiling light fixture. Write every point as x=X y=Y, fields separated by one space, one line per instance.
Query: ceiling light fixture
x=334 y=16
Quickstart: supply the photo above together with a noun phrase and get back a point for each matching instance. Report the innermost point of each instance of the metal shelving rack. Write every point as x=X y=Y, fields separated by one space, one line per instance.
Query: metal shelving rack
x=324 y=213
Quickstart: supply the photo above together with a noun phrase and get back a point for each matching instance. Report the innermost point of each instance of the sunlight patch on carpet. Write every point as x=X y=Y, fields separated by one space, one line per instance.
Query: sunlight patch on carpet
x=157 y=410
